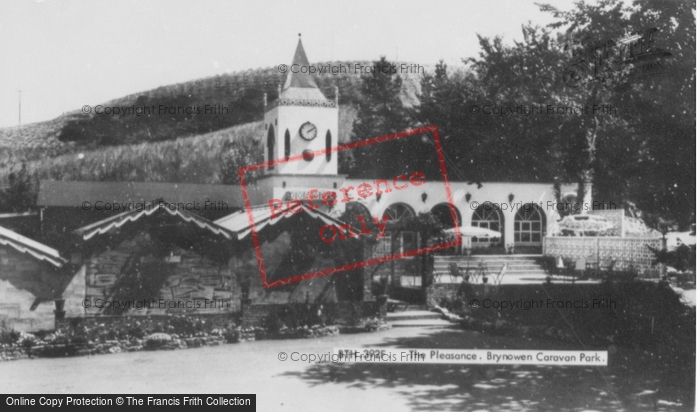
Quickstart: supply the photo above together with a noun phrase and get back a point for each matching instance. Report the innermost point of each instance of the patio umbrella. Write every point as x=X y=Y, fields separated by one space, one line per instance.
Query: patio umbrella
x=472 y=231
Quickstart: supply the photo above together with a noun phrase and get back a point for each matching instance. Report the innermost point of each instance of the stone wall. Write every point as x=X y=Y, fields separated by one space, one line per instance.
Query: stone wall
x=25 y=280
x=194 y=284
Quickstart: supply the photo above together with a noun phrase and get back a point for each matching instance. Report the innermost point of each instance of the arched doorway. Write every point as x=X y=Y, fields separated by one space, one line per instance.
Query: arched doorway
x=400 y=239
x=488 y=216
x=530 y=225
x=443 y=213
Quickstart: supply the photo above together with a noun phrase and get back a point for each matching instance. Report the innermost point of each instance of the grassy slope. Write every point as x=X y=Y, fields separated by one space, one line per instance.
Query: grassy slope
x=195 y=159
x=159 y=148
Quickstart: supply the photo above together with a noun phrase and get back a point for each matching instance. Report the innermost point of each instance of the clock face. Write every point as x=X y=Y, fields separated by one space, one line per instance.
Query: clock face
x=308 y=131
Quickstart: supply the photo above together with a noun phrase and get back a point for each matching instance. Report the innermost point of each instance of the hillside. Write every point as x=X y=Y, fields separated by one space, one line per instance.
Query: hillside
x=241 y=92
x=197 y=159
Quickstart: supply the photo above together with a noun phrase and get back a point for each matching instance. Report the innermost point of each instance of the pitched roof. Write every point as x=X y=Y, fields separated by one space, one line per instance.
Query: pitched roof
x=240 y=223
x=300 y=85
x=296 y=78
x=57 y=193
x=119 y=220
x=31 y=247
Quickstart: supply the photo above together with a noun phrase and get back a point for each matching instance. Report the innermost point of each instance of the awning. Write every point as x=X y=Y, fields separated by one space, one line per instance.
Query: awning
x=29 y=246
x=121 y=219
x=240 y=223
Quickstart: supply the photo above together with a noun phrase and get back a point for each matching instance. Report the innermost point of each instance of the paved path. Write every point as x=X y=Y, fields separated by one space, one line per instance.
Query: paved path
x=253 y=367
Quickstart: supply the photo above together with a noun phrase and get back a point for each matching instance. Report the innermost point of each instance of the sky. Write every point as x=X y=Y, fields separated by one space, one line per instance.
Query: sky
x=66 y=54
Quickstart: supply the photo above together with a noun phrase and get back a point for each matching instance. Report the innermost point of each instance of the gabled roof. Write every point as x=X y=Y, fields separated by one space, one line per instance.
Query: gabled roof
x=31 y=247
x=119 y=220
x=239 y=222
x=57 y=193
x=300 y=85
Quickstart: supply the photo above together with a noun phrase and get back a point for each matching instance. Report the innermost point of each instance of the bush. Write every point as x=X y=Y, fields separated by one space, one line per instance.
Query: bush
x=272 y=322
x=232 y=334
x=8 y=336
x=188 y=326
x=628 y=323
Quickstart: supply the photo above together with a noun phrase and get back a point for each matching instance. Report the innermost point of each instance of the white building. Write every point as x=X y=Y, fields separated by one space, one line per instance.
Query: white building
x=303 y=121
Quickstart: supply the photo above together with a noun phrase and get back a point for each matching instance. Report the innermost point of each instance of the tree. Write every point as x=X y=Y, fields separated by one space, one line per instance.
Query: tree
x=21 y=194
x=381 y=112
x=658 y=113
x=237 y=154
x=512 y=116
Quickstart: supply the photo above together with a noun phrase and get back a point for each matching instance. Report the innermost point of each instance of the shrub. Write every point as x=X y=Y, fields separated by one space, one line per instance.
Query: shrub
x=8 y=335
x=272 y=322
x=232 y=334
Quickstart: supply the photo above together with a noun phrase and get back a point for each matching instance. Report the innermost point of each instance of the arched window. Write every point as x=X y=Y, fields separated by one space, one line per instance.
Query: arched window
x=530 y=223
x=488 y=216
x=328 y=146
x=271 y=146
x=287 y=145
x=398 y=212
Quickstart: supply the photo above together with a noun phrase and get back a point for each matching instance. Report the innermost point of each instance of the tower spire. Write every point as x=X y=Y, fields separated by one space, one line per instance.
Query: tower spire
x=298 y=75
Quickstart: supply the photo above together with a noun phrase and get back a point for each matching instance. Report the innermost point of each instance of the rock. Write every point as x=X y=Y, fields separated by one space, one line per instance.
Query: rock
x=159 y=337
x=157 y=340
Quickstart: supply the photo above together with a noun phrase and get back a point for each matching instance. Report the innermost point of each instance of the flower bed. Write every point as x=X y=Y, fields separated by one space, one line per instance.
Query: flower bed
x=177 y=332
x=366 y=325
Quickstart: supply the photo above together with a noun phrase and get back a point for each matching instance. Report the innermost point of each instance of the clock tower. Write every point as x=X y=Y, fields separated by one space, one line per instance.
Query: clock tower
x=300 y=122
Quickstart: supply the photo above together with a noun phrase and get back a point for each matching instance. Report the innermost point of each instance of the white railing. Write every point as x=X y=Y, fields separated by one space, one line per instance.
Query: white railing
x=625 y=251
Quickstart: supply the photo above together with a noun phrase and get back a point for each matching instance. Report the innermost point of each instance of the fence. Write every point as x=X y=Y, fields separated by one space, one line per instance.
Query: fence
x=623 y=250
